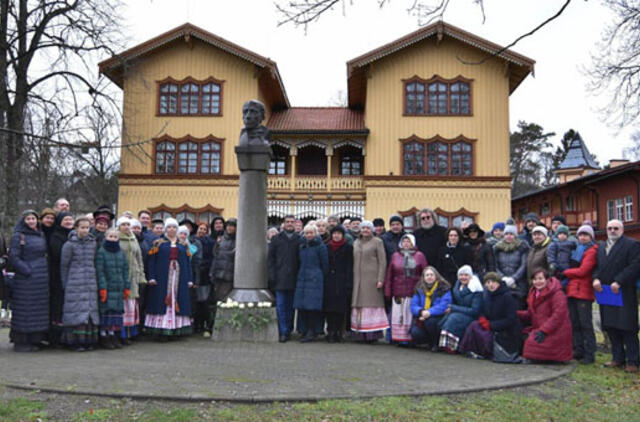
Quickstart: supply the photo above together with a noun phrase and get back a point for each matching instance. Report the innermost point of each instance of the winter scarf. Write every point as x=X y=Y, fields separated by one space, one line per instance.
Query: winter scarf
x=336 y=245
x=409 y=263
x=428 y=293
x=576 y=254
x=111 y=246
x=503 y=246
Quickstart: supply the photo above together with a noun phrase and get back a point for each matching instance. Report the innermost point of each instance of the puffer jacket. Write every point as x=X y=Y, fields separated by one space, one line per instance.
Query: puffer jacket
x=78 y=274
x=224 y=255
x=313 y=271
x=581 y=278
x=399 y=284
x=537 y=258
x=113 y=275
x=30 y=287
x=559 y=254
x=511 y=261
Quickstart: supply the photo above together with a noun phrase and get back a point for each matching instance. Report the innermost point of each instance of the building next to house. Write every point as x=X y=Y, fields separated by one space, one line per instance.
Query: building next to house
x=585 y=192
x=425 y=126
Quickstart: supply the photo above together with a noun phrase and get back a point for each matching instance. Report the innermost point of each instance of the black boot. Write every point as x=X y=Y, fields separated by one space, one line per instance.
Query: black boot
x=115 y=342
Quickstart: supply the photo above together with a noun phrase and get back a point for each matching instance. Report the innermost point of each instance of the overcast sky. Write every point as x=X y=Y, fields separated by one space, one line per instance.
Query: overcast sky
x=557 y=97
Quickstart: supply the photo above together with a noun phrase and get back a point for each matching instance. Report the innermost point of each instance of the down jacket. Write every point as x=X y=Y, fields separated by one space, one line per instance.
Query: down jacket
x=580 y=281
x=113 y=275
x=78 y=274
x=314 y=267
x=224 y=255
x=440 y=301
x=399 y=284
x=501 y=309
x=511 y=261
x=30 y=287
x=465 y=308
x=548 y=312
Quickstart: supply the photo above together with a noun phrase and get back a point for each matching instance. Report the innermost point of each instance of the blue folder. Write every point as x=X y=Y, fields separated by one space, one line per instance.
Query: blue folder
x=607 y=297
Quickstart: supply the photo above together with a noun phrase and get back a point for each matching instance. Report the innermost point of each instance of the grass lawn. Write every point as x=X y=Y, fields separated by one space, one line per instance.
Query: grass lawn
x=590 y=393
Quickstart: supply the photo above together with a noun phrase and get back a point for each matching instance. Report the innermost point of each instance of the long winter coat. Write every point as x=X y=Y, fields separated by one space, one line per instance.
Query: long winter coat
x=399 y=284
x=580 y=278
x=465 y=308
x=537 y=258
x=112 y=269
x=429 y=242
x=482 y=259
x=391 y=242
x=369 y=269
x=501 y=309
x=511 y=261
x=131 y=249
x=58 y=238
x=548 y=312
x=224 y=255
x=159 y=271
x=283 y=261
x=451 y=259
x=78 y=273
x=30 y=288
x=622 y=265
x=314 y=267
x=440 y=301
x=338 y=287
x=207 y=257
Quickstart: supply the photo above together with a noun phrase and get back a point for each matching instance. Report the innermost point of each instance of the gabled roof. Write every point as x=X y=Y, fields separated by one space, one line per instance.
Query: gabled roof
x=113 y=67
x=325 y=120
x=578 y=156
x=520 y=67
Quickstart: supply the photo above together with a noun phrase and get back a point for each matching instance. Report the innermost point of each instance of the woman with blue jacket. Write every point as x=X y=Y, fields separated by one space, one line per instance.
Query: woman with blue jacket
x=431 y=299
x=465 y=308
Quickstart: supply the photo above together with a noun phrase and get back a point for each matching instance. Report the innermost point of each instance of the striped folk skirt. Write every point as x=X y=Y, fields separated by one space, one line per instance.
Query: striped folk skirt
x=401 y=318
x=365 y=320
x=169 y=324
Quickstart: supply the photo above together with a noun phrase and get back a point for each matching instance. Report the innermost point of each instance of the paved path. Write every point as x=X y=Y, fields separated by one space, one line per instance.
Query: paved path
x=199 y=369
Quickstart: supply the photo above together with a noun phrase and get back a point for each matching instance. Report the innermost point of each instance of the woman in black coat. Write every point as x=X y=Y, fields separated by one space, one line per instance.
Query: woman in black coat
x=59 y=236
x=30 y=288
x=483 y=260
x=453 y=255
x=338 y=286
x=499 y=323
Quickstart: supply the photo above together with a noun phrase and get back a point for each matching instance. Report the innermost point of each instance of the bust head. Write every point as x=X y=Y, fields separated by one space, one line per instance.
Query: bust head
x=253 y=113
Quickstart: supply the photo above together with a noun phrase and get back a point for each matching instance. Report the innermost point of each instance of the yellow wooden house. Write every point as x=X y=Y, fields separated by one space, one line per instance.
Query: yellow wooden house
x=426 y=125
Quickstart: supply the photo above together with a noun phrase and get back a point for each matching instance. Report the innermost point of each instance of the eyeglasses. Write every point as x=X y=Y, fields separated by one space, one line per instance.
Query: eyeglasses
x=613 y=229
x=425 y=217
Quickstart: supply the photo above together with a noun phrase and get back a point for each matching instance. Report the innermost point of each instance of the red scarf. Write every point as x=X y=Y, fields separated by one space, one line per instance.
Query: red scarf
x=336 y=245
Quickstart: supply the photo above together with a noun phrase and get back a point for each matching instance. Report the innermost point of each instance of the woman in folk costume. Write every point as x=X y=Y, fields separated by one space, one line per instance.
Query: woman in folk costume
x=169 y=302
x=368 y=317
x=131 y=249
x=404 y=271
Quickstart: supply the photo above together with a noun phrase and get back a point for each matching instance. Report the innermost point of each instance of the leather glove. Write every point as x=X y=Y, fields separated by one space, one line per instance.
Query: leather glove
x=484 y=323
x=539 y=336
x=103 y=295
x=510 y=282
x=126 y=293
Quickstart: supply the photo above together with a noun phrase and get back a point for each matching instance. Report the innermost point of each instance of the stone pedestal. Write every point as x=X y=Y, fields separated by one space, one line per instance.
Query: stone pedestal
x=250 y=275
x=223 y=331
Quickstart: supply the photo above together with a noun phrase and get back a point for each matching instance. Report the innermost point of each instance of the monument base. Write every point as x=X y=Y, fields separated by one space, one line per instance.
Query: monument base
x=264 y=331
x=251 y=296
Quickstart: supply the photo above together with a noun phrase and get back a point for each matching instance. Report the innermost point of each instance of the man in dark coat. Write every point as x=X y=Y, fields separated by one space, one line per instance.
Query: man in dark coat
x=531 y=221
x=618 y=267
x=223 y=264
x=429 y=236
x=391 y=238
x=282 y=264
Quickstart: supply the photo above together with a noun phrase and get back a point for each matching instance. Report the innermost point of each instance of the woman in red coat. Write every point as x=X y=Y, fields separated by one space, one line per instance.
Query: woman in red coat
x=549 y=335
x=581 y=296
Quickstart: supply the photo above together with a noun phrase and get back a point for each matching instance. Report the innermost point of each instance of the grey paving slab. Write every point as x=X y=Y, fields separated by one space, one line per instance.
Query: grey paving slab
x=199 y=369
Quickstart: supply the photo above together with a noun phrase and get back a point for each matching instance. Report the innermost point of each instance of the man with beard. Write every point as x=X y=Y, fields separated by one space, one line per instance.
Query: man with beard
x=430 y=236
x=282 y=264
x=217 y=228
x=391 y=238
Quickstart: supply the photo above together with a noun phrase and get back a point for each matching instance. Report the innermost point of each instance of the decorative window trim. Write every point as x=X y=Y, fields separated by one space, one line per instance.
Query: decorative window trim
x=409 y=218
x=275 y=158
x=433 y=79
x=462 y=212
x=177 y=142
x=438 y=138
x=186 y=208
x=189 y=79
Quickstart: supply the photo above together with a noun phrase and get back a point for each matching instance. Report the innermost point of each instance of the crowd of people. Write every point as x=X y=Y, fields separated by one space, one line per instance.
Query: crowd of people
x=507 y=296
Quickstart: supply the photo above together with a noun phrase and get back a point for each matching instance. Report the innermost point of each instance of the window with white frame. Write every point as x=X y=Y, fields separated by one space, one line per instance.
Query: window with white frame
x=628 y=208
x=611 y=210
x=620 y=209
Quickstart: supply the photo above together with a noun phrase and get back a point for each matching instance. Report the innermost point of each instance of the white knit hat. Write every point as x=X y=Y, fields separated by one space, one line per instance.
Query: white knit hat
x=366 y=223
x=135 y=223
x=184 y=229
x=541 y=229
x=123 y=220
x=170 y=222
x=409 y=236
x=511 y=229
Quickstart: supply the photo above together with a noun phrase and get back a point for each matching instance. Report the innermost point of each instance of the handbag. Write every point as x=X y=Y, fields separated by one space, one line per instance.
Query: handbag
x=202 y=293
x=500 y=355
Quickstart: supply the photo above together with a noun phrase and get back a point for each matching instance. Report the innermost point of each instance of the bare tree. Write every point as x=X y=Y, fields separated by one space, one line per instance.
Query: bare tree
x=616 y=65
x=633 y=152
x=47 y=49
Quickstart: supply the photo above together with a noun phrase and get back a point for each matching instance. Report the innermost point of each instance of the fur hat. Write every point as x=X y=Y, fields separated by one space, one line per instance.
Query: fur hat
x=170 y=222
x=366 y=223
x=184 y=229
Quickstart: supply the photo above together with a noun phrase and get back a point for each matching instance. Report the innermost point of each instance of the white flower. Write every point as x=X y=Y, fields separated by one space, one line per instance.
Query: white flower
x=222 y=305
x=234 y=303
x=219 y=303
x=241 y=306
x=250 y=305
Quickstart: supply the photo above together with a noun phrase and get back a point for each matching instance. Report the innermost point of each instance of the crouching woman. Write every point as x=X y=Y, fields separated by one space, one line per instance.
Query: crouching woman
x=431 y=298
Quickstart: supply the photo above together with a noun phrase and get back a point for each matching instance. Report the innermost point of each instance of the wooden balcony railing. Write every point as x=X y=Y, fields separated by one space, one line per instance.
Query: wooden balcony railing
x=315 y=183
